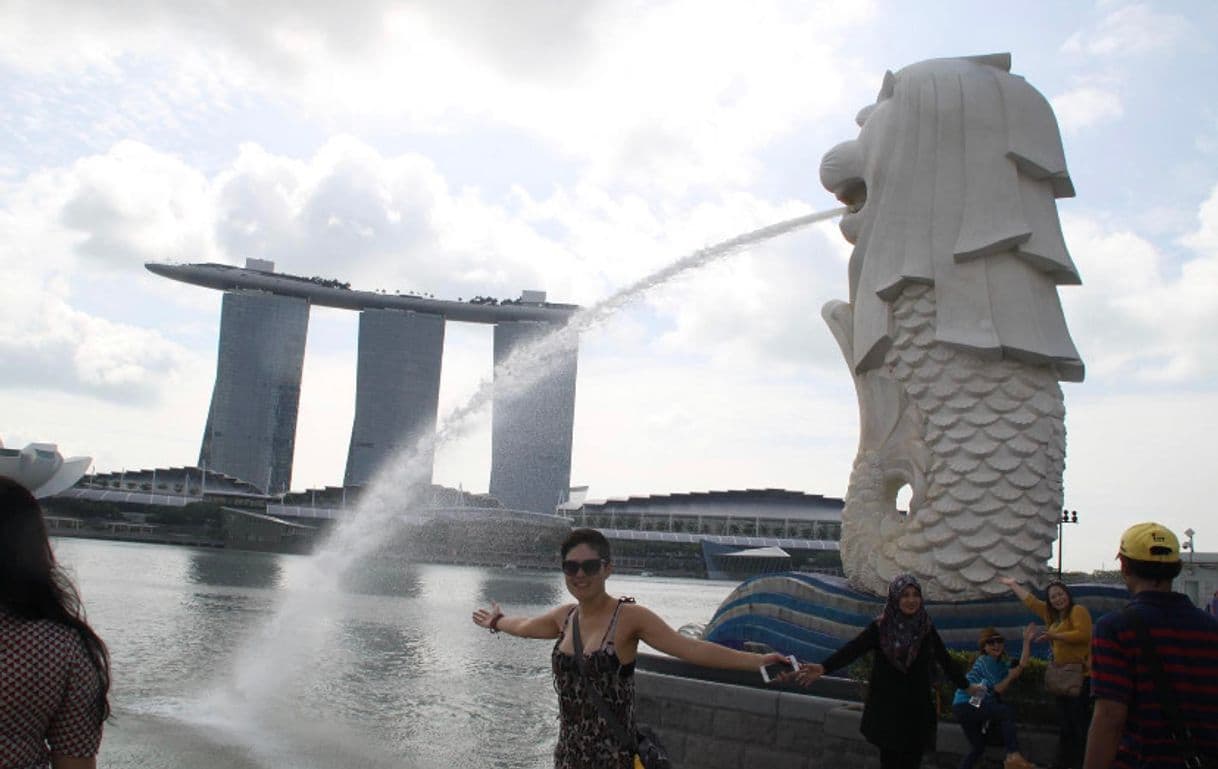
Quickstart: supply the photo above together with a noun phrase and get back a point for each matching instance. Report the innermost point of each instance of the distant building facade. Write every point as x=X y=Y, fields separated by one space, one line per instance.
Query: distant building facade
x=1199 y=577
x=531 y=426
x=192 y=506
x=41 y=468
x=397 y=389
x=666 y=533
x=251 y=425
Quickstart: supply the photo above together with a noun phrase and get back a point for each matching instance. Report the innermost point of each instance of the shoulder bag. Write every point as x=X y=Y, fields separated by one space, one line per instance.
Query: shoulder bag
x=1181 y=735
x=645 y=745
x=1064 y=679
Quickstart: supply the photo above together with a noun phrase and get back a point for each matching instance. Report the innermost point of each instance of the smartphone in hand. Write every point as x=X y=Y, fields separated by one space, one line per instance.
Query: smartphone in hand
x=772 y=671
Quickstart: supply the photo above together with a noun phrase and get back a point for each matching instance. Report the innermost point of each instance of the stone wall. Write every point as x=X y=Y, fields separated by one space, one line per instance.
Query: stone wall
x=716 y=725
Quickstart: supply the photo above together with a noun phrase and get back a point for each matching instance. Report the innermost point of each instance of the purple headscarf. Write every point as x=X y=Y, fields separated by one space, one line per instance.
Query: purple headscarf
x=901 y=635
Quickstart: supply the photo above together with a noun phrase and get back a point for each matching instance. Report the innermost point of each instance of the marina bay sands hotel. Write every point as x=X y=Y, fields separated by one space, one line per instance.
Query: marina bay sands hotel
x=251 y=425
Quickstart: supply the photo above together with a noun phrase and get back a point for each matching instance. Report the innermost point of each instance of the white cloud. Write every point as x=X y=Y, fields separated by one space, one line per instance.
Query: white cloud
x=49 y=345
x=379 y=221
x=116 y=433
x=599 y=83
x=1133 y=458
x=647 y=424
x=63 y=230
x=135 y=204
x=325 y=415
x=1137 y=315
x=1129 y=30
x=762 y=307
x=1205 y=239
x=1086 y=106
x=376 y=221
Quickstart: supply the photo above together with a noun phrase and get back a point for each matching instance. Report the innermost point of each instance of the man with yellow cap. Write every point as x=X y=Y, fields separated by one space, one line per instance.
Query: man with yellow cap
x=1131 y=729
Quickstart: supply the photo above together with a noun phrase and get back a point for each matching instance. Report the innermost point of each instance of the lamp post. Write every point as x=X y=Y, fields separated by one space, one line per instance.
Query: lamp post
x=1068 y=516
x=1191 y=549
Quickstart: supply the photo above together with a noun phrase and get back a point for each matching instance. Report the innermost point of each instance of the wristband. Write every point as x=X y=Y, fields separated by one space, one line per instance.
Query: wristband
x=494 y=626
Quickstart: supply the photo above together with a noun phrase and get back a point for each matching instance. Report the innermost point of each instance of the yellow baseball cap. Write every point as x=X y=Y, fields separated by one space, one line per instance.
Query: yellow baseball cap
x=1150 y=542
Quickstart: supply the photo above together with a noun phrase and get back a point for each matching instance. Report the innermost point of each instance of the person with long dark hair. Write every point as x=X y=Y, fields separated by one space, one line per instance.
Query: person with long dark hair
x=54 y=690
x=899 y=714
x=610 y=630
x=1068 y=631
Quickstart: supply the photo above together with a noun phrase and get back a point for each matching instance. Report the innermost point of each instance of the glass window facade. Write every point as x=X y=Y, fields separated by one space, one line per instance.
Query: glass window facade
x=397 y=389
x=251 y=425
x=531 y=425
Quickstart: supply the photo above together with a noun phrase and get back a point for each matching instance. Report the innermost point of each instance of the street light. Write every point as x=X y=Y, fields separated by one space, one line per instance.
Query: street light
x=1189 y=544
x=1068 y=516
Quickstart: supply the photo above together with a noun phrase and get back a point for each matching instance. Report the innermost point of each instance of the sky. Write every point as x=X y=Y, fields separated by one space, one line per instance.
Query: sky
x=478 y=148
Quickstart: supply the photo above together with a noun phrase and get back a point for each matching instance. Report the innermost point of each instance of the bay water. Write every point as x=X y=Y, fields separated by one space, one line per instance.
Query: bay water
x=402 y=679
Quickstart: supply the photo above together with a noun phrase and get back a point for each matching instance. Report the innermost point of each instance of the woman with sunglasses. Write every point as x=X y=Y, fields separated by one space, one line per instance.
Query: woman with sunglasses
x=55 y=673
x=1068 y=631
x=899 y=714
x=610 y=629
x=993 y=671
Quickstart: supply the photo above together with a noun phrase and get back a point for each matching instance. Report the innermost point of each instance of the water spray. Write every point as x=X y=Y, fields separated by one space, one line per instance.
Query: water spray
x=297 y=628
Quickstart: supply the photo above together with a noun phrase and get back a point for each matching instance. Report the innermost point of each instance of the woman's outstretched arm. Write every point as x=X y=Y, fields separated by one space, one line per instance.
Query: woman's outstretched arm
x=656 y=633
x=1028 y=633
x=1019 y=590
x=949 y=666
x=853 y=649
x=1038 y=607
x=548 y=625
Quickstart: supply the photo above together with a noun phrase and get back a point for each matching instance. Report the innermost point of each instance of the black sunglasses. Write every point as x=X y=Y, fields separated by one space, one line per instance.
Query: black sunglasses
x=999 y=641
x=590 y=566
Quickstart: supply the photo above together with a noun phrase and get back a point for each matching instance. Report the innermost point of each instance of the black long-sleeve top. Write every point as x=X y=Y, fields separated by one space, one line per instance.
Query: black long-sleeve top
x=899 y=712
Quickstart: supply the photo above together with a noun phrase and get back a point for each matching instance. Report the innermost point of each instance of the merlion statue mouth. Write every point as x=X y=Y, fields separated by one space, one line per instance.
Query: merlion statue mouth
x=841 y=172
x=953 y=331
x=854 y=195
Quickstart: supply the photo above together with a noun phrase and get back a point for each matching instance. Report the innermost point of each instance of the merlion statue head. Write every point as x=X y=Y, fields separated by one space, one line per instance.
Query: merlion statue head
x=952 y=182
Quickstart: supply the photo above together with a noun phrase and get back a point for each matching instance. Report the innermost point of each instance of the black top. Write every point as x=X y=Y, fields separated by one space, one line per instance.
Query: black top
x=899 y=713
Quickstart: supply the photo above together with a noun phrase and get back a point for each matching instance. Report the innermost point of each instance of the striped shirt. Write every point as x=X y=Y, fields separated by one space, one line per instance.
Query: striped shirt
x=1186 y=639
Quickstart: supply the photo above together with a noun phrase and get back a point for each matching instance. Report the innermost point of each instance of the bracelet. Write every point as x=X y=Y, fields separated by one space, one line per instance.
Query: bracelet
x=494 y=626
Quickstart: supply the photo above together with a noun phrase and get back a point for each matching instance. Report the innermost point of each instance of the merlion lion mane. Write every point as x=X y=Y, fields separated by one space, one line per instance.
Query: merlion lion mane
x=954 y=331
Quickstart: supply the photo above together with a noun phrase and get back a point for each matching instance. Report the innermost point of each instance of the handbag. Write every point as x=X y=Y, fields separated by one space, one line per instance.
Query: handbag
x=645 y=745
x=1064 y=679
x=1181 y=735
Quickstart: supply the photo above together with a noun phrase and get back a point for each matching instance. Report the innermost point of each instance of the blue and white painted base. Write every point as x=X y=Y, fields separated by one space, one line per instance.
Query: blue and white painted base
x=812 y=615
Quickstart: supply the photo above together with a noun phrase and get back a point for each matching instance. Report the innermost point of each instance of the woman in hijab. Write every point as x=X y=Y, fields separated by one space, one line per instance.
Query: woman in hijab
x=899 y=715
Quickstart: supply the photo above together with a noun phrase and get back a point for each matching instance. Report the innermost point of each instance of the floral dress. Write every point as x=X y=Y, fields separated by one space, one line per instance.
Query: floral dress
x=585 y=740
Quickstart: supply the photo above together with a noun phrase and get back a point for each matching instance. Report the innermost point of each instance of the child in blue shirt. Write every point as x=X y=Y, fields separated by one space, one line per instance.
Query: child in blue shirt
x=994 y=671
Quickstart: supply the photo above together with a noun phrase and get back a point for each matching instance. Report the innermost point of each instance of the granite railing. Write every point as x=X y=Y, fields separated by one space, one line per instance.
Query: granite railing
x=737 y=722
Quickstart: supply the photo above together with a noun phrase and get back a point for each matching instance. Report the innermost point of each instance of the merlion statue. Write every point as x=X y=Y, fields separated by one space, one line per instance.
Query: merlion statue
x=954 y=332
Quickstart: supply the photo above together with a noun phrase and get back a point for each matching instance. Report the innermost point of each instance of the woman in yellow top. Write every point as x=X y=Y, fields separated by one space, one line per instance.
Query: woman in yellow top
x=1068 y=630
